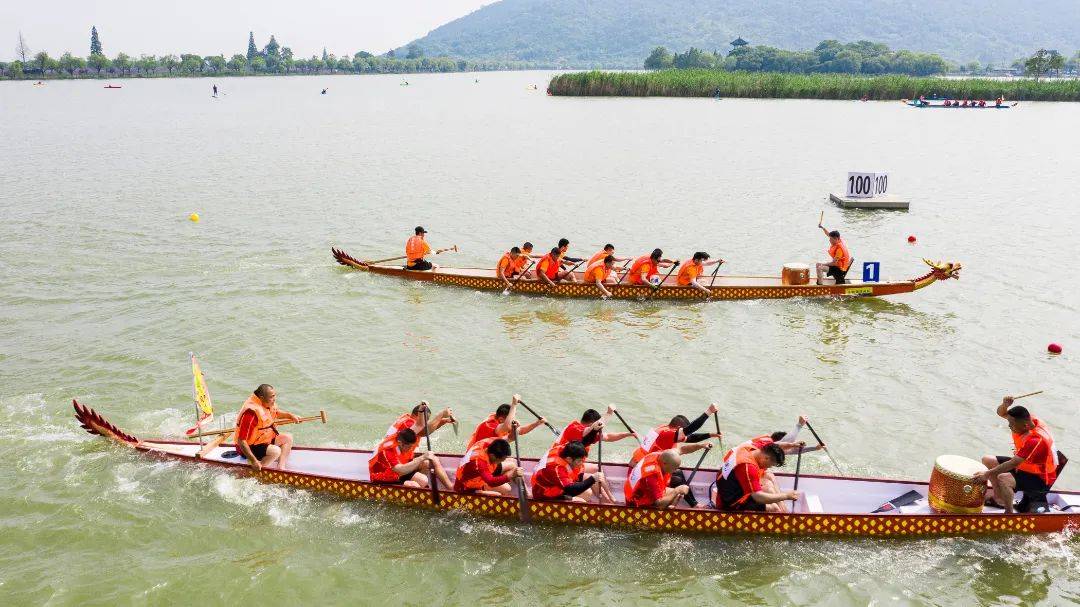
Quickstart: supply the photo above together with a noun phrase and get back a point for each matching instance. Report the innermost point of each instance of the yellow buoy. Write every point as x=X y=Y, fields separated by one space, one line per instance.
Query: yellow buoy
x=194 y=217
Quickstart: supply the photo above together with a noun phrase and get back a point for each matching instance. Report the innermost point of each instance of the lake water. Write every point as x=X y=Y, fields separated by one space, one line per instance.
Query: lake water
x=105 y=286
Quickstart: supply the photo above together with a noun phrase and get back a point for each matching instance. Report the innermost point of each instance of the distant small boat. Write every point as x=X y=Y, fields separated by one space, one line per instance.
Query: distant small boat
x=113 y=86
x=39 y=83
x=933 y=106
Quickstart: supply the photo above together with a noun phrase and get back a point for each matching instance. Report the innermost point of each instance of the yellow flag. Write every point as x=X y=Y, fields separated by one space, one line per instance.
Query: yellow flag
x=202 y=397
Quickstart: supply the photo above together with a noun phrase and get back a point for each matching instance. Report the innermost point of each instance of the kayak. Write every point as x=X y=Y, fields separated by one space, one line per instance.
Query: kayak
x=728 y=287
x=830 y=506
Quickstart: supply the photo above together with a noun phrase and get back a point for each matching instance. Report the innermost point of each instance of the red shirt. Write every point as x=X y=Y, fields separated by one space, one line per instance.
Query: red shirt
x=749 y=477
x=381 y=465
x=481 y=469
x=761 y=442
x=485 y=429
x=551 y=481
x=246 y=426
x=648 y=491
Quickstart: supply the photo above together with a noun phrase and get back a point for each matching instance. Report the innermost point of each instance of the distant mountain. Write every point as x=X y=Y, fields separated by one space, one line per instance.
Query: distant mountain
x=620 y=33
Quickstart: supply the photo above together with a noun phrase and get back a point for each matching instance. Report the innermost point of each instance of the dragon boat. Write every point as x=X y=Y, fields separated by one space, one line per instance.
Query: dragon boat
x=941 y=105
x=830 y=506
x=729 y=287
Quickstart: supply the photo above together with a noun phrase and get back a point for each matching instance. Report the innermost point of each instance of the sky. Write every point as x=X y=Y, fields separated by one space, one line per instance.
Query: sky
x=212 y=27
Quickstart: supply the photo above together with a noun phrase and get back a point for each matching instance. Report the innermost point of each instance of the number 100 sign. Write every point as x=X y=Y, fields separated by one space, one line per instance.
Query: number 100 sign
x=867 y=185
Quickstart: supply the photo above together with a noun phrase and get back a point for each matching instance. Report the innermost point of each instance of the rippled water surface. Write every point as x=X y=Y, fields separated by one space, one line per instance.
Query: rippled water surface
x=105 y=286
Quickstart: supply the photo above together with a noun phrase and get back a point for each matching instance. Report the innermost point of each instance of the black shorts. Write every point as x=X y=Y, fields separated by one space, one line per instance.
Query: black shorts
x=1027 y=482
x=421 y=265
x=259 y=451
x=838 y=274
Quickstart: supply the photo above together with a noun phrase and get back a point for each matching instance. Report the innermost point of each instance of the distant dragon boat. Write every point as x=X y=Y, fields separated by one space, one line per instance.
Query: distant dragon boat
x=830 y=506
x=940 y=104
x=723 y=288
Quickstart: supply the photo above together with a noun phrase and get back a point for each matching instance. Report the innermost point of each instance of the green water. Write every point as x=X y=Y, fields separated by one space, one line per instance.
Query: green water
x=106 y=287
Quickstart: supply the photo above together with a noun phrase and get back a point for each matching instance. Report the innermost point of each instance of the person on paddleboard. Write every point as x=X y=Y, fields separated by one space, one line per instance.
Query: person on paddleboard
x=215 y=90
x=839 y=259
x=256 y=437
x=1033 y=467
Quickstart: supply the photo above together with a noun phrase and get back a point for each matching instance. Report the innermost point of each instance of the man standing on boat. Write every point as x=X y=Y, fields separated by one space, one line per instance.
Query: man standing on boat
x=692 y=269
x=840 y=259
x=499 y=423
x=416 y=248
x=1032 y=468
x=738 y=484
x=256 y=437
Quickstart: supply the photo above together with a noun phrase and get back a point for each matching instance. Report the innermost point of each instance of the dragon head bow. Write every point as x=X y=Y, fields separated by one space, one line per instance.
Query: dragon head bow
x=944 y=270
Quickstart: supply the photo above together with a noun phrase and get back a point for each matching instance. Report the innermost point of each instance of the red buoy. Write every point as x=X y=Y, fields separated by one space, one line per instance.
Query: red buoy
x=911 y=239
x=1054 y=348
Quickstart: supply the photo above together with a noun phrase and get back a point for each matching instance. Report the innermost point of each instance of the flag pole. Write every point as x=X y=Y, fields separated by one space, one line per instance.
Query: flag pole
x=195 y=398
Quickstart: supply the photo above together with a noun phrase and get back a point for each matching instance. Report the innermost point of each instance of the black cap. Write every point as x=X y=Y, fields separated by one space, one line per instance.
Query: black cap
x=420 y=230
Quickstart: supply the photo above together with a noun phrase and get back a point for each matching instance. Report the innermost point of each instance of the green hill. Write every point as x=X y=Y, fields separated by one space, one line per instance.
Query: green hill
x=620 y=33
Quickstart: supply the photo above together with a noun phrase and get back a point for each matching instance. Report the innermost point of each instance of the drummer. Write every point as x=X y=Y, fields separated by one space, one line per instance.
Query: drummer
x=256 y=437
x=692 y=268
x=1033 y=466
x=840 y=259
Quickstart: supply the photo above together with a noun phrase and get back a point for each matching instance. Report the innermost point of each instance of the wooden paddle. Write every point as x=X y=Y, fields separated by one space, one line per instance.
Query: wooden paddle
x=378 y=261
x=514 y=282
x=283 y=422
x=798 y=465
x=656 y=288
x=434 y=482
x=716 y=420
x=627 y=426
x=625 y=272
x=553 y=429
x=1027 y=395
x=714 y=273
x=523 y=496
x=821 y=442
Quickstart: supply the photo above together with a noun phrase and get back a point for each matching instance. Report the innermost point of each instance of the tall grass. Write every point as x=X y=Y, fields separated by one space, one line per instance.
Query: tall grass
x=705 y=83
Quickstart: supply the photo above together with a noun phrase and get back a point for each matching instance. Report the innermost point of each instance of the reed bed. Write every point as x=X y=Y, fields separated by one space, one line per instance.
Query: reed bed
x=770 y=85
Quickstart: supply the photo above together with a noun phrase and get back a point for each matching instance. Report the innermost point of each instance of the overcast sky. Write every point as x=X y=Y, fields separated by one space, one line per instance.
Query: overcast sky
x=211 y=27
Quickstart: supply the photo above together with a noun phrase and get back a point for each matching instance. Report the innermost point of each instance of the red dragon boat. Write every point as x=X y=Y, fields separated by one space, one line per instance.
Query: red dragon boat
x=831 y=506
x=724 y=287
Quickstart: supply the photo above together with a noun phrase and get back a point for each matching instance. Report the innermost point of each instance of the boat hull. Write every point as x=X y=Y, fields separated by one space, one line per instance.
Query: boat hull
x=726 y=288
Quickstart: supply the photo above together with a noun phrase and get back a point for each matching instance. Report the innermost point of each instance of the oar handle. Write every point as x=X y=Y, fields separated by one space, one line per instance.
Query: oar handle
x=378 y=261
x=625 y=425
x=1028 y=394
x=537 y=416
x=453 y=249
x=284 y=422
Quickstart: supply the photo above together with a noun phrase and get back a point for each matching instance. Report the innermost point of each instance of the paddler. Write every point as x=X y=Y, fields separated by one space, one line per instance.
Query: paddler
x=416 y=248
x=588 y=431
x=680 y=435
x=609 y=249
x=1032 y=468
x=600 y=272
x=256 y=437
x=394 y=462
x=839 y=259
x=562 y=478
x=692 y=268
x=649 y=483
x=738 y=484
x=481 y=469
x=646 y=269
x=548 y=269
x=564 y=247
x=499 y=423
x=508 y=265
x=415 y=420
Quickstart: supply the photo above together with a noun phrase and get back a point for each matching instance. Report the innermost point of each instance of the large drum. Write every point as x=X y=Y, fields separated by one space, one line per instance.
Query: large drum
x=952 y=490
x=795 y=274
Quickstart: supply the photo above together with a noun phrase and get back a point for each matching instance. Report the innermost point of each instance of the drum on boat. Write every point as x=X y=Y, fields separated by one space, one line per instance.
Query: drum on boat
x=952 y=490
x=795 y=274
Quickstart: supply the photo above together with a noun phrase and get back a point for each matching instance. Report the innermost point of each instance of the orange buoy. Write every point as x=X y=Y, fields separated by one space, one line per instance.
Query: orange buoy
x=1054 y=348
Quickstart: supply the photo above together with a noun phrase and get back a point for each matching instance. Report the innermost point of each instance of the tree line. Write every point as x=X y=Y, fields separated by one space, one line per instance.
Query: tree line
x=828 y=57
x=272 y=59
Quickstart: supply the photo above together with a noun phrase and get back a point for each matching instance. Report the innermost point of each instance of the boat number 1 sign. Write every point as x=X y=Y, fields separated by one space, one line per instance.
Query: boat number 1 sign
x=867 y=185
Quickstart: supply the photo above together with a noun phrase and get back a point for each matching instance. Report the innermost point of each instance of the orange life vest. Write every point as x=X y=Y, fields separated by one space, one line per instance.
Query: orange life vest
x=264 y=433
x=598 y=257
x=548 y=265
x=643 y=265
x=416 y=248
x=541 y=478
x=689 y=271
x=378 y=470
x=506 y=265
x=520 y=262
x=840 y=255
x=742 y=454
x=489 y=428
x=648 y=466
x=476 y=453
x=405 y=421
x=596 y=271
x=651 y=444
x=1046 y=468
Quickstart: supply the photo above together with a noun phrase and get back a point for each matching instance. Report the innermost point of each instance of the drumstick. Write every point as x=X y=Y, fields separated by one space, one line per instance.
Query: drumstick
x=822 y=218
x=1027 y=395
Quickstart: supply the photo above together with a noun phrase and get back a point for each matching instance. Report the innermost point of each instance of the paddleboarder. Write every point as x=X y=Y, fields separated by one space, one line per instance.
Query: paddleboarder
x=215 y=90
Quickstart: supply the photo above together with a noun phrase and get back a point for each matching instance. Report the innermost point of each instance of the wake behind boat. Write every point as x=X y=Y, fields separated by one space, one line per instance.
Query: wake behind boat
x=829 y=505
x=728 y=287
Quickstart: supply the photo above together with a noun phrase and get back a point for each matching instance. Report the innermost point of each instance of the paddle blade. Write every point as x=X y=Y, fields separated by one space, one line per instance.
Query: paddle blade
x=904 y=500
